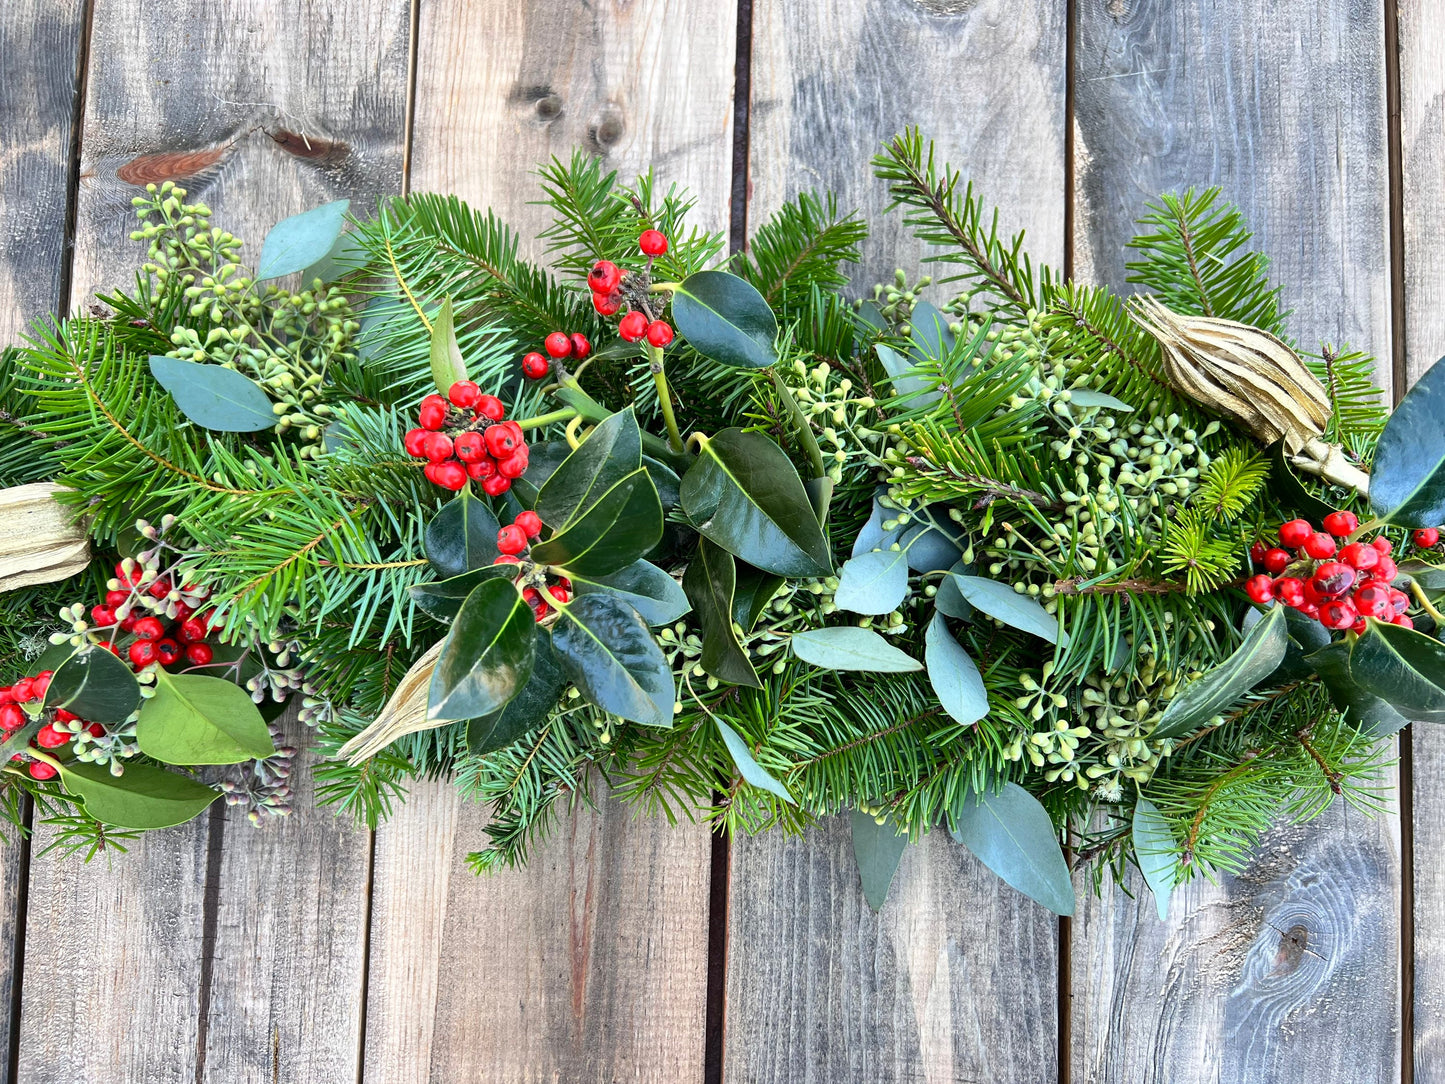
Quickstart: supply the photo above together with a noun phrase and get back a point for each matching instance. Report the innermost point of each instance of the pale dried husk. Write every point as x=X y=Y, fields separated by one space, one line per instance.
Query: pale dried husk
x=405 y=713
x=41 y=540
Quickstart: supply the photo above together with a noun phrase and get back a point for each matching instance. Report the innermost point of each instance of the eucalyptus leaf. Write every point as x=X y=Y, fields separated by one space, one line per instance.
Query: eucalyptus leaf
x=928 y=549
x=1011 y=834
x=872 y=536
x=442 y=599
x=1370 y=714
x=877 y=848
x=611 y=452
x=213 y=396
x=931 y=332
x=447 y=366
x=1407 y=474
x=1088 y=397
x=607 y=536
x=95 y=685
x=752 y=772
x=1003 y=603
x=300 y=241
x=950 y=601
x=1156 y=853
x=903 y=375
x=873 y=583
x=744 y=494
x=953 y=674
x=607 y=651
x=847 y=647
x=654 y=594
x=724 y=318
x=487 y=656
x=461 y=537
x=1403 y=667
x=194 y=719
x=532 y=704
x=1217 y=689
x=346 y=256
x=710 y=581
x=143 y=798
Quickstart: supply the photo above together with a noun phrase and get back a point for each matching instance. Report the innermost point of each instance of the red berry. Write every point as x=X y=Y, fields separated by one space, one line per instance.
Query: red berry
x=464 y=394
x=560 y=593
x=1384 y=545
x=540 y=609
x=608 y=303
x=1373 y=600
x=470 y=447
x=580 y=346
x=652 y=243
x=433 y=413
x=531 y=596
x=1403 y=621
x=1290 y=590
x=12 y=717
x=604 y=277
x=143 y=652
x=168 y=651
x=1260 y=589
x=193 y=630
x=1257 y=552
x=132 y=577
x=23 y=691
x=150 y=628
x=40 y=684
x=128 y=624
x=535 y=366
x=1386 y=569
x=159 y=588
x=108 y=645
x=659 y=333
x=491 y=408
x=41 y=770
x=50 y=738
x=1276 y=561
x=415 y=442
x=501 y=441
x=438 y=447
x=1292 y=535
x=511 y=539
x=632 y=326
x=1320 y=545
x=1426 y=537
x=96 y=730
x=1332 y=579
x=515 y=465
x=482 y=469
x=449 y=475
x=530 y=522
x=102 y=616
x=115 y=598
x=1360 y=626
x=199 y=654
x=1338 y=613
x=496 y=485
x=1341 y=524
x=63 y=716
x=558 y=344
x=1360 y=556
x=507 y=559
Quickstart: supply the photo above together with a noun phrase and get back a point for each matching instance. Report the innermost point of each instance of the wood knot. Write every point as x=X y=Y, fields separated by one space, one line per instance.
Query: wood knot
x=170 y=165
x=549 y=108
x=1292 y=945
x=607 y=128
x=317 y=149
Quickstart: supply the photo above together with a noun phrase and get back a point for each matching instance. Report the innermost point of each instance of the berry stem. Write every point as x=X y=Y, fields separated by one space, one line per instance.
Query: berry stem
x=805 y=437
x=1419 y=593
x=664 y=397
x=664 y=287
x=562 y=415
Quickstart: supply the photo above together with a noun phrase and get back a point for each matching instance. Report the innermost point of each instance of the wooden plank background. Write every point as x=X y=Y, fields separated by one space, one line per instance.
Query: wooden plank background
x=311 y=951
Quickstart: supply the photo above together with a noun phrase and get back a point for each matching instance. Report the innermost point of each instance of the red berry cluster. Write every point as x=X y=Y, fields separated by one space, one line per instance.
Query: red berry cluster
x=558 y=345
x=513 y=540
x=160 y=637
x=606 y=280
x=31 y=690
x=466 y=436
x=1338 y=585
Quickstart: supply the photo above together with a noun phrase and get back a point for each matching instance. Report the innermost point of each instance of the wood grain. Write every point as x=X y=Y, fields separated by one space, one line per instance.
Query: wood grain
x=1422 y=159
x=237 y=101
x=590 y=964
x=956 y=978
x=1290 y=972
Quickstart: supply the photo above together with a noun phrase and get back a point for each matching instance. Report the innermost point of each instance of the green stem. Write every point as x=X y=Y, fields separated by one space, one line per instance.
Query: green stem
x=588 y=408
x=566 y=414
x=1419 y=593
x=805 y=436
x=664 y=287
x=664 y=397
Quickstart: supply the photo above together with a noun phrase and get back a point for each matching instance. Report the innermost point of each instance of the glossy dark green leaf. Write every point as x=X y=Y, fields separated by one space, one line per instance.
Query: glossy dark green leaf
x=95 y=685
x=442 y=599
x=847 y=647
x=752 y=772
x=447 y=366
x=1430 y=577
x=1156 y=853
x=1403 y=667
x=1407 y=476
x=1364 y=710
x=194 y=719
x=606 y=536
x=528 y=709
x=873 y=583
x=724 y=318
x=1001 y=602
x=654 y=594
x=755 y=589
x=877 y=848
x=214 y=397
x=462 y=536
x=710 y=581
x=669 y=485
x=1290 y=490
x=144 y=797
x=744 y=494
x=609 y=654
x=953 y=674
x=542 y=462
x=1011 y=834
x=1305 y=636
x=611 y=452
x=487 y=656
x=1216 y=690
x=296 y=243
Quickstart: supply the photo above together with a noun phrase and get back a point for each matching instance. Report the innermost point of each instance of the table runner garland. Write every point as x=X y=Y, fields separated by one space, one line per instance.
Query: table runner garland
x=1042 y=566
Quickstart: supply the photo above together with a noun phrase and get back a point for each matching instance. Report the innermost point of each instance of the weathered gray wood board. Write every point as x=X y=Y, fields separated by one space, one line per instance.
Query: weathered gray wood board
x=260 y=112
x=1422 y=160
x=819 y=988
x=591 y=964
x=1290 y=972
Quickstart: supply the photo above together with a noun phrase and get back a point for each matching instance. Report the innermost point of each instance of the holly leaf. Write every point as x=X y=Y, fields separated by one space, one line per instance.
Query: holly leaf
x=710 y=582
x=755 y=589
x=1002 y=602
x=873 y=583
x=724 y=318
x=1290 y=490
x=1209 y=695
x=442 y=599
x=877 y=849
x=752 y=772
x=623 y=523
x=95 y=685
x=608 y=653
x=1402 y=667
x=1407 y=474
x=144 y=797
x=654 y=594
x=1011 y=834
x=447 y=366
x=1156 y=853
x=296 y=243
x=462 y=536
x=1371 y=714
x=611 y=452
x=194 y=719
x=953 y=674
x=532 y=704
x=487 y=656
x=744 y=494
x=847 y=647
x=213 y=396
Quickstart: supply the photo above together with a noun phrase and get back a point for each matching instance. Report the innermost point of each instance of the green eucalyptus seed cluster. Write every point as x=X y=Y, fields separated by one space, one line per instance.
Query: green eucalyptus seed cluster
x=284 y=340
x=828 y=395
